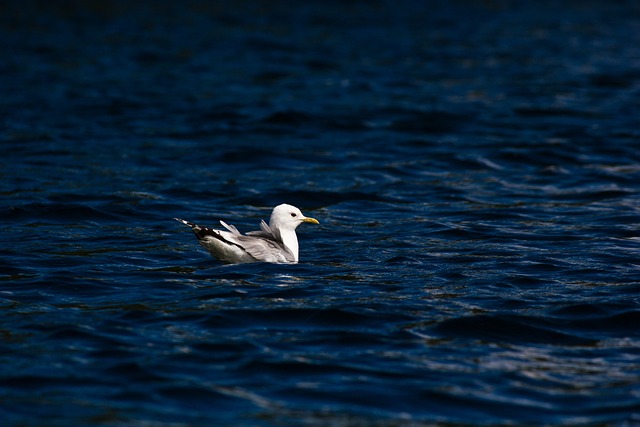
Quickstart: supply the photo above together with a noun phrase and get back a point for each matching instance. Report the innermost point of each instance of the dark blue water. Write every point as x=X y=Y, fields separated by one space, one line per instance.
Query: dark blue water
x=475 y=167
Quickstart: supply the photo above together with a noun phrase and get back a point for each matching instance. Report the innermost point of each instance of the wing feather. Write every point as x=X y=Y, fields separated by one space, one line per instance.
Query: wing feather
x=265 y=232
x=232 y=228
x=263 y=249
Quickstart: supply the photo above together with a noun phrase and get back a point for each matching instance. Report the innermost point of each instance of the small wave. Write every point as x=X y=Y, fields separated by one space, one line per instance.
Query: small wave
x=509 y=328
x=56 y=212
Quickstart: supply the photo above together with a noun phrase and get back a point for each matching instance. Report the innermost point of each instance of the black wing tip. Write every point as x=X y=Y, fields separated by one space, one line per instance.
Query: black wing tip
x=200 y=232
x=185 y=222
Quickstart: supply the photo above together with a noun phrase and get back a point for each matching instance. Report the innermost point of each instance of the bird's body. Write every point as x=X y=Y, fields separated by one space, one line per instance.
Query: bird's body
x=275 y=242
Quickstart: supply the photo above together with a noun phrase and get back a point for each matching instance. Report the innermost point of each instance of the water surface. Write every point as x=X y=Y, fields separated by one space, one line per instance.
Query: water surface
x=475 y=168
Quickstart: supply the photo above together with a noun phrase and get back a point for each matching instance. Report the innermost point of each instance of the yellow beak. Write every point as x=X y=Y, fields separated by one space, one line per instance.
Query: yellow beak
x=310 y=220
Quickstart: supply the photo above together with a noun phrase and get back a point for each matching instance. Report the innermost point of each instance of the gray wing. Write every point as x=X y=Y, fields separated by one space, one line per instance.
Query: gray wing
x=264 y=249
x=265 y=232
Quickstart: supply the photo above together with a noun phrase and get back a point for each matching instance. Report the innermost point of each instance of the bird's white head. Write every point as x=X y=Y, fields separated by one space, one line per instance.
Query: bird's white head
x=287 y=217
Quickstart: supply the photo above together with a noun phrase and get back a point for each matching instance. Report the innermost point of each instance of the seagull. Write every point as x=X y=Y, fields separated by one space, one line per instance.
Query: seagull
x=275 y=242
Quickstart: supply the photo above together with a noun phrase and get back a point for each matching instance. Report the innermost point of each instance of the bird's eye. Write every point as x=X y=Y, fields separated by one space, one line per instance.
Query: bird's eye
x=293 y=214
